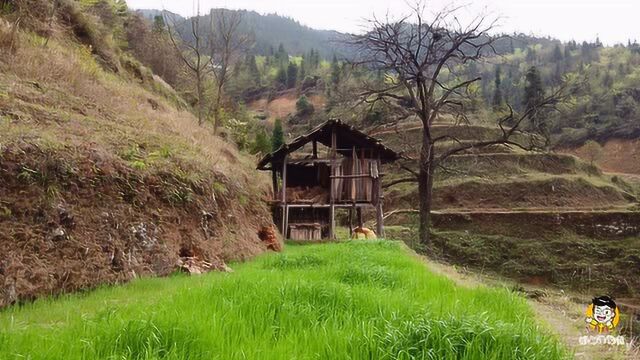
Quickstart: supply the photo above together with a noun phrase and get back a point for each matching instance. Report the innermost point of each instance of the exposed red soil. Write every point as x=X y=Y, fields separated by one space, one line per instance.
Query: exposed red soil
x=285 y=104
x=71 y=219
x=618 y=155
x=545 y=193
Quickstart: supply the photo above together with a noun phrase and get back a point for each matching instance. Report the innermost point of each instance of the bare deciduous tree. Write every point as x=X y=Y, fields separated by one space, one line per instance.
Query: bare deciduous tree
x=227 y=44
x=424 y=61
x=213 y=51
x=193 y=54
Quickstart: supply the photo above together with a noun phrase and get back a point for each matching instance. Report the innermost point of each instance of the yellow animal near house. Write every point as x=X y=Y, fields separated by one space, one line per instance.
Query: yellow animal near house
x=363 y=233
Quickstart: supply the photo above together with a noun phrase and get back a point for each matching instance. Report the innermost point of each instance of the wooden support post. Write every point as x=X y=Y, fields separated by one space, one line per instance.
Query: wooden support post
x=351 y=222
x=360 y=222
x=379 y=220
x=379 y=214
x=315 y=149
x=274 y=179
x=286 y=221
x=285 y=212
x=332 y=230
x=332 y=209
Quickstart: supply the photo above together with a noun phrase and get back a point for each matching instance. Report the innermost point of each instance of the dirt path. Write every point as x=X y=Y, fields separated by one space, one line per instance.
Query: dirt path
x=550 y=210
x=561 y=313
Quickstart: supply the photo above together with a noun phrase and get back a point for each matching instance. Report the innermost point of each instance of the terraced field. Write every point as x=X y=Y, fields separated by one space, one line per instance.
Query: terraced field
x=546 y=214
x=351 y=300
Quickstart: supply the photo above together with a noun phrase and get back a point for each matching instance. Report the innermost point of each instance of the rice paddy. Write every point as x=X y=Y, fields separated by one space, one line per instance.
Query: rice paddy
x=350 y=300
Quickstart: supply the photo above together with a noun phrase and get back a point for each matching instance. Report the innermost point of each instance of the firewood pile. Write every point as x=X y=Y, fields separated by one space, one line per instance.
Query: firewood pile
x=194 y=266
x=269 y=236
x=315 y=195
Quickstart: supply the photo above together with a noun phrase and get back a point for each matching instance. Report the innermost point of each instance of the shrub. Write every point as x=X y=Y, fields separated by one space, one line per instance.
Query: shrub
x=277 y=139
x=309 y=82
x=261 y=143
x=89 y=31
x=593 y=151
x=304 y=107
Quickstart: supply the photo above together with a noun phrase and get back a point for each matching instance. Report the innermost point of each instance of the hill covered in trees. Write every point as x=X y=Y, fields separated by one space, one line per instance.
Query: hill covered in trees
x=287 y=55
x=268 y=31
x=605 y=105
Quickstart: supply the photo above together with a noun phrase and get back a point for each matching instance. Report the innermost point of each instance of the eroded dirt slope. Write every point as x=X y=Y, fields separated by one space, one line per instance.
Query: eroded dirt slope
x=105 y=175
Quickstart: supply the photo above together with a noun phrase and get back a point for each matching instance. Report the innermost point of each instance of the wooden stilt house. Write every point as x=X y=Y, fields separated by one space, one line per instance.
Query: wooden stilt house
x=332 y=167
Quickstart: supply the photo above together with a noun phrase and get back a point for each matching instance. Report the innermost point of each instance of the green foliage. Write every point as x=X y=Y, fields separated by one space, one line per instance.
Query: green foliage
x=353 y=300
x=335 y=72
x=281 y=77
x=99 y=25
x=239 y=132
x=261 y=143
x=158 y=24
x=604 y=106
x=252 y=66
x=497 y=92
x=292 y=75
x=277 y=138
x=593 y=151
x=533 y=97
x=304 y=107
x=282 y=57
x=533 y=92
x=287 y=262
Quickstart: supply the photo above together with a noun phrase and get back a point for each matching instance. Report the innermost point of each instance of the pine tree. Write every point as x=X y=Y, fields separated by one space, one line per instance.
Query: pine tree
x=557 y=53
x=497 y=92
x=533 y=96
x=277 y=138
x=567 y=54
x=335 y=72
x=302 y=72
x=292 y=75
x=314 y=59
x=531 y=55
x=281 y=76
x=304 y=107
x=252 y=67
x=607 y=81
x=557 y=75
x=282 y=56
x=261 y=143
x=158 y=24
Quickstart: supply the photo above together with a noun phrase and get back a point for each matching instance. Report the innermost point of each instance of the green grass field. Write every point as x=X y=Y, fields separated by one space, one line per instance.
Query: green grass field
x=352 y=300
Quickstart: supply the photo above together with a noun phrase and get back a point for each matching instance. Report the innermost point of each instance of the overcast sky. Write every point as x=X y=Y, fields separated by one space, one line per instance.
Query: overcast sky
x=614 y=21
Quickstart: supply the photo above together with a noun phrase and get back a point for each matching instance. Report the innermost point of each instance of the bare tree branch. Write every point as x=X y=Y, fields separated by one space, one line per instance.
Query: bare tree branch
x=424 y=60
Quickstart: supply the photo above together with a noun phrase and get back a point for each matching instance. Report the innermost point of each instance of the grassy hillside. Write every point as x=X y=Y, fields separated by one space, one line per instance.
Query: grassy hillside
x=542 y=218
x=346 y=300
x=506 y=178
x=104 y=174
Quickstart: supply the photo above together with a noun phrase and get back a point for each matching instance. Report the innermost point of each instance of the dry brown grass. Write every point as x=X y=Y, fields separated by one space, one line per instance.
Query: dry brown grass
x=8 y=36
x=129 y=153
x=63 y=80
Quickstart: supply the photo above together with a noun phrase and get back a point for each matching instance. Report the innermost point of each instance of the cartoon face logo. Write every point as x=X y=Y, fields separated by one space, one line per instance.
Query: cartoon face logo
x=602 y=314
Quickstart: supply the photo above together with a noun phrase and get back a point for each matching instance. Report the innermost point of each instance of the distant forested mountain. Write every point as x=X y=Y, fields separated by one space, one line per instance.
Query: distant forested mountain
x=269 y=31
x=607 y=106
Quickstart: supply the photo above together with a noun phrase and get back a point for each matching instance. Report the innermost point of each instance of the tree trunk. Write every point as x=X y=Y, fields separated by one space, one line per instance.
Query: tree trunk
x=216 y=111
x=425 y=187
x=200 y=98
